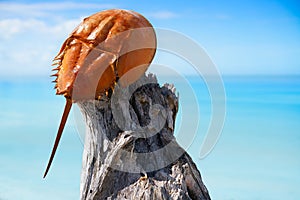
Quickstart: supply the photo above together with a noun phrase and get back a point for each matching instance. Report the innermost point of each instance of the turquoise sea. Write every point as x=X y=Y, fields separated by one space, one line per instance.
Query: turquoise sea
x=257 y=155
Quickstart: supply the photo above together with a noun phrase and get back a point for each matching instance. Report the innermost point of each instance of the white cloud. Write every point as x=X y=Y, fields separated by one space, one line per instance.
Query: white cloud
x=10 y=27
x=28 y=46
x=163 y=15
x=15 y=26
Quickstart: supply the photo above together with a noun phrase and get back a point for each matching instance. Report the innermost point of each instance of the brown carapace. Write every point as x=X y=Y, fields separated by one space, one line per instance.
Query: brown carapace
x=106 y=47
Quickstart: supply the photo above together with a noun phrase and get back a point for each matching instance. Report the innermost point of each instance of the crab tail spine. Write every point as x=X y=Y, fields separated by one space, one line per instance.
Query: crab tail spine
x=63 y=121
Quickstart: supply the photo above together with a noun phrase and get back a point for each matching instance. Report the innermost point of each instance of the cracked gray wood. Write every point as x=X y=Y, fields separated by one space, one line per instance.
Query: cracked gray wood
x=130 y=151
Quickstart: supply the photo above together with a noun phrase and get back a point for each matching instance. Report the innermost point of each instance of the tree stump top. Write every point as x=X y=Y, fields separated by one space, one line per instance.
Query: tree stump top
x=130 y=151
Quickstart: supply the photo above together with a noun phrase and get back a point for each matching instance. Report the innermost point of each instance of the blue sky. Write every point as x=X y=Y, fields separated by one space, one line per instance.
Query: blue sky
x=241 y=37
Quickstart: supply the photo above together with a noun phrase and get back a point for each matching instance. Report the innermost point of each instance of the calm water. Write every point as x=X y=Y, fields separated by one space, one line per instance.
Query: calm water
x=256 y=157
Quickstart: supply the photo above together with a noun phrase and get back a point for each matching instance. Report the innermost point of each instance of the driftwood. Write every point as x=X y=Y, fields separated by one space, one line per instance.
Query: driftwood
x=130 y=151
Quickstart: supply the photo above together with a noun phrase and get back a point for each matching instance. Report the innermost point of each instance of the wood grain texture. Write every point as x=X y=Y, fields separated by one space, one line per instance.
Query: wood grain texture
x=108 y=172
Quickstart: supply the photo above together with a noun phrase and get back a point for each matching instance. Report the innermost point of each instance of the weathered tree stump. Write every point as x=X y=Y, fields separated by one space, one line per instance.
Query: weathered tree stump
x=130 y=151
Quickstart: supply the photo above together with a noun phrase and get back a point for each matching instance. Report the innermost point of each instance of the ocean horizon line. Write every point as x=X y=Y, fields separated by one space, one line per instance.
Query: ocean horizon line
x=47 y=78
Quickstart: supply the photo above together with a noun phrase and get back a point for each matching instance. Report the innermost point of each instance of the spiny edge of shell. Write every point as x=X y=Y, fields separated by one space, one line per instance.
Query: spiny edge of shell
x=56 y=74
x=56 y=63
